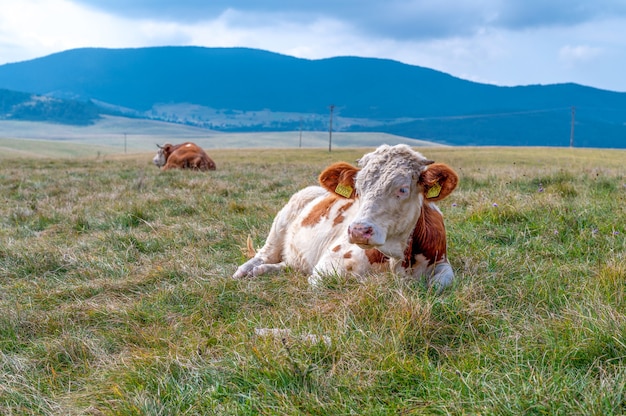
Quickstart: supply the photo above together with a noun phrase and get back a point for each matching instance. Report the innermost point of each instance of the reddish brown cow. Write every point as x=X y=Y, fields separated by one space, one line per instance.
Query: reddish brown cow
x=182 y=156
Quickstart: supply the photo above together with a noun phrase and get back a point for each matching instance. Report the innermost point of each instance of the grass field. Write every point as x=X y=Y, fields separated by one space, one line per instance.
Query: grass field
x=116 y=296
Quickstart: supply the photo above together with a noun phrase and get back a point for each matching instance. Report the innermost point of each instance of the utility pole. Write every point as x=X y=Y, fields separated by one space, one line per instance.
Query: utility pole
x=330 y=128
x=571 y=134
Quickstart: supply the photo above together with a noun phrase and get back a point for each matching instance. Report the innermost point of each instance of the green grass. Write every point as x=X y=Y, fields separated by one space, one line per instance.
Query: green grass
x=116 y=296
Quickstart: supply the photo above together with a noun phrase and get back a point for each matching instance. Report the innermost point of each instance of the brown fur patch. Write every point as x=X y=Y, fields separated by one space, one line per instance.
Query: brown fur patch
x=340 y=173
x=340 y=217
x=429 y=237
x=375 y=257
x=320 y=210
x=337 y=248
x=347 y=255
x=442 y=174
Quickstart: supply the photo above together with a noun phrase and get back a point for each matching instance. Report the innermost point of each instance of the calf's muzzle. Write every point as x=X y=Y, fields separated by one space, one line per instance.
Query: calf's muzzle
x=361 y=233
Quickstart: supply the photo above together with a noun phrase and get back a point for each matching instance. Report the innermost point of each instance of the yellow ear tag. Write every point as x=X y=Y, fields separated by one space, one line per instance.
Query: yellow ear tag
x=343 y=190
x=434 y=191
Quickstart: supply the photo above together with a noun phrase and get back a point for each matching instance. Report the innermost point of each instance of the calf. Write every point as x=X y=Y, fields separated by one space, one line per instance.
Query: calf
x=182 y=156
x=382 y=213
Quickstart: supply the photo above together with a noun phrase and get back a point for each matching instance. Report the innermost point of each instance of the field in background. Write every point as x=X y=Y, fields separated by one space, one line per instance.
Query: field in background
x=118 y=134
x=116 y=296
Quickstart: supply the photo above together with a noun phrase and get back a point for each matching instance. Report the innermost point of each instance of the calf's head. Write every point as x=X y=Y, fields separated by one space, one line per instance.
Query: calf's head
x=391 y=186
x=160 y=159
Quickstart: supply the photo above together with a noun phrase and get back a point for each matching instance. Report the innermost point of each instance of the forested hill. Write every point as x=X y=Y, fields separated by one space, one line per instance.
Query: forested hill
x=241 y=89
x=23 y=106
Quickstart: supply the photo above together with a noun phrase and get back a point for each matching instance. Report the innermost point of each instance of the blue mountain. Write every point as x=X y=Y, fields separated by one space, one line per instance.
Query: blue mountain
x=258 y=90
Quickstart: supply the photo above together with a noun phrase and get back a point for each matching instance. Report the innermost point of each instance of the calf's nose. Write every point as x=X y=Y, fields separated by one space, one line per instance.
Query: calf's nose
x=360 y=233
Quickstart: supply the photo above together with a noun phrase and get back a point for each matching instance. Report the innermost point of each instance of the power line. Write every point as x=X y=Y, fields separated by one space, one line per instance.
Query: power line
x=489 y=115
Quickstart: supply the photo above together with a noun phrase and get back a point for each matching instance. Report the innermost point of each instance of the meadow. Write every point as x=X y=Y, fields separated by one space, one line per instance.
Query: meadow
x=116 y=296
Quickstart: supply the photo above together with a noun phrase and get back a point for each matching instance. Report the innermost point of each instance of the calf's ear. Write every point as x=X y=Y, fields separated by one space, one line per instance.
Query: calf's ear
x=339 y=179
x=438 y=180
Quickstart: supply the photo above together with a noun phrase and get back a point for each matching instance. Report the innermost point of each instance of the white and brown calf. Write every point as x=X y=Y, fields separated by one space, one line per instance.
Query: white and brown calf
x=381 y=212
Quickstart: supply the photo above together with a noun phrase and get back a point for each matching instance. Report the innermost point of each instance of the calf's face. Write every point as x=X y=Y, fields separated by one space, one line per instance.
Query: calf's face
x=390 y=197
x=161 y=156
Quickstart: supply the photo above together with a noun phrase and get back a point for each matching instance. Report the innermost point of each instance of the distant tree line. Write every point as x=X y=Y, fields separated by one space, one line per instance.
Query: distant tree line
x=9 y=99
x=23 y=106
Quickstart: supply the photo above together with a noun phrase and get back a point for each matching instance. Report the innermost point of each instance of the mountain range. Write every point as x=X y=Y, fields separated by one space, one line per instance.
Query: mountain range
x=241 y=89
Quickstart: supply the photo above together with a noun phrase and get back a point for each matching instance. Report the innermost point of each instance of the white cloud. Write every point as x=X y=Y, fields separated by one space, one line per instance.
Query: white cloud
x=571 y=54
x=589 y=53
x=32 y=28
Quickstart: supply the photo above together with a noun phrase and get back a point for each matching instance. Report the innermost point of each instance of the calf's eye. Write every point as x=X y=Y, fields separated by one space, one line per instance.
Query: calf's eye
x=402 y=192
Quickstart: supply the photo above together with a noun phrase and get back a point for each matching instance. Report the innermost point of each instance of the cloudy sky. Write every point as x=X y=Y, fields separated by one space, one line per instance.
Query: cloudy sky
x=503 y=42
